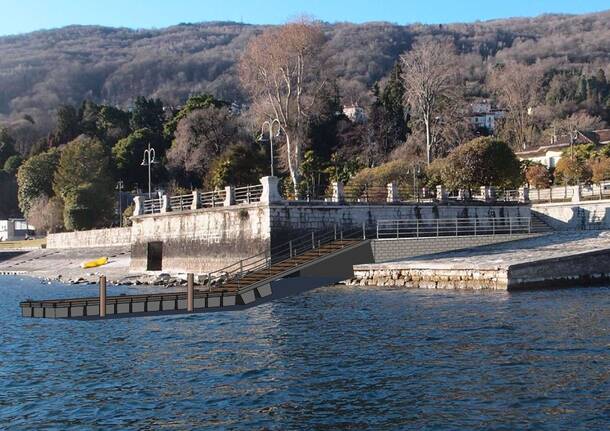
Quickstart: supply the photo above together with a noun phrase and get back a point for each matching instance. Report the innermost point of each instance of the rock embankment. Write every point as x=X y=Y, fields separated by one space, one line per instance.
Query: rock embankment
x=446 y=278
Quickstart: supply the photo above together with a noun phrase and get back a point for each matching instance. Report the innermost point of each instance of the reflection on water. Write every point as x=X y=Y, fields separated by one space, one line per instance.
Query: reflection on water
x=335 y=358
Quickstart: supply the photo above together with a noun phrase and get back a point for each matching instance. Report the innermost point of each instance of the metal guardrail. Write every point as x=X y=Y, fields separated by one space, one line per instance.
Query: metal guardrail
x=392 y=229
x=553 y=194
x=507 y=196
x=248 y=194
x=365 y=194
x=152 y=206
x=291 y=249
x=181 y=202
x=212 y=199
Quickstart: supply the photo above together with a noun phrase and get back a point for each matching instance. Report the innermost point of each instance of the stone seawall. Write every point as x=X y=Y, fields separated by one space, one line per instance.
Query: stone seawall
x=392 y=249
x=436 y=278
x=201 y=241
x=549 y=261
x=111 y=237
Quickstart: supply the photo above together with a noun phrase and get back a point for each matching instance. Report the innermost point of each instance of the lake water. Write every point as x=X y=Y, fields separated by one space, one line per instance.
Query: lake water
x=334 y=358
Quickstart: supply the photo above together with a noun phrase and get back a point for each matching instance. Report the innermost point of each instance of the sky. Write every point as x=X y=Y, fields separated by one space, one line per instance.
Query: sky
x=21 y=16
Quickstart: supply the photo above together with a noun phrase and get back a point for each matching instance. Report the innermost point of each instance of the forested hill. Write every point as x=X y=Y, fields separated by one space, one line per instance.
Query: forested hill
x=41 y=70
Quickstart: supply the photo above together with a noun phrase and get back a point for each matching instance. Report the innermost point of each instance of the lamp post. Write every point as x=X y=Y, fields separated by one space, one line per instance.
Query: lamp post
x=148 y=160
x=269 y=125
x=416 y=171
x=119 y=187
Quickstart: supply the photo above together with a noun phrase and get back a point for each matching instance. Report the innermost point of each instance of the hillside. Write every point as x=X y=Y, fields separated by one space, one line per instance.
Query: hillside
x=41 y=70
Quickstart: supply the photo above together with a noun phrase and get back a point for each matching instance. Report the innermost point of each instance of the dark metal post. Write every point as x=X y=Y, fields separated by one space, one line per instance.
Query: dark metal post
x=102 y=283
x=190 y=292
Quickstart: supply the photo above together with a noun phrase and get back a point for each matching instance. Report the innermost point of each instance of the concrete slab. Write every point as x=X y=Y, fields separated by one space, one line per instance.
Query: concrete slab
x=264 y=290
x=122 y=308
x=38 y=312
x=213 y=301
x=169 y=305
x=61 y=313
x=153 y=305
x=228 y=301
x=137 y=307
x=77 y=311
x=93 y=310
x=199 y=303
x=247 y=297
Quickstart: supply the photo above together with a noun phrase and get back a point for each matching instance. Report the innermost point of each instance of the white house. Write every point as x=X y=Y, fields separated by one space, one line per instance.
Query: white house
x=550 y=154
x=355 y=113
x=15 y=230
x=483 y=115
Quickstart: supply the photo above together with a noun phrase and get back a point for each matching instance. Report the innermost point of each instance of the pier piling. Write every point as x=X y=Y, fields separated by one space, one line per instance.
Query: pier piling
x=190 y=290
x=102 y=295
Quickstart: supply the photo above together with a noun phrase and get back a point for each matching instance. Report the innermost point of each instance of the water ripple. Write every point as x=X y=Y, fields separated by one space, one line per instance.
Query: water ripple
x=336 y=358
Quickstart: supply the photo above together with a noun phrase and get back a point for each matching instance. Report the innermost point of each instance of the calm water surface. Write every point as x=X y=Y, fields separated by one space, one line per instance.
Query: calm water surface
x=335 y=358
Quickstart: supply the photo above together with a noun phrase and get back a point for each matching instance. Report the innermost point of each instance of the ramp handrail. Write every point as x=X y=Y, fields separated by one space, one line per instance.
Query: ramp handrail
x=313 y=240
x=416 y=228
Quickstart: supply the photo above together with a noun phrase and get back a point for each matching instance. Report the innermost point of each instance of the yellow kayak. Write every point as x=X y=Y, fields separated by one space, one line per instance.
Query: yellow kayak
x=93 y=263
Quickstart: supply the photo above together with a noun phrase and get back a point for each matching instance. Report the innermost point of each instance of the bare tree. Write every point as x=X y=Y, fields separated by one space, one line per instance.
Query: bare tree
x=202 y=136
x=430 y=81
x=281 y=70
x=517 y=87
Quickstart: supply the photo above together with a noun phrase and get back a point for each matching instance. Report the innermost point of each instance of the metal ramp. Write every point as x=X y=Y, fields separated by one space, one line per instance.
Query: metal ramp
x=317 y=259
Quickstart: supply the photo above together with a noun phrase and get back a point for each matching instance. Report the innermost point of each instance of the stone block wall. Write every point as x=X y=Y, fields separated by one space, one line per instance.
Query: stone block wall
x=575 y=216
x=203 y=240
x=393 y=249
x=111 y=237
x=287 y=220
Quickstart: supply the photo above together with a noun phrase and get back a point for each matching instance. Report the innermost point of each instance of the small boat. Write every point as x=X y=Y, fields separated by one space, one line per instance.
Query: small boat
x=93 y=263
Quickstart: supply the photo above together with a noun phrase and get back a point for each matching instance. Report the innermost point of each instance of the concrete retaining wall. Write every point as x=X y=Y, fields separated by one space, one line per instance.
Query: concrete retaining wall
x=577 y=216
x=201 y=241
x=393 y=249
x=288 y=218
x=90 y=238
x=206 y=240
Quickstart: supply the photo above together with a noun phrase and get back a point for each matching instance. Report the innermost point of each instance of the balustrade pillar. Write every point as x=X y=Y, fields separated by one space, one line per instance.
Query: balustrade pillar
x=229 y=196
x=441 y=194
x=524 y=194
x=271 y=192
x=196 y=200
x=392 y=196
x=576 y=194
x=138 y=203
x=165 y=204
x=488 y=193
x=338 y=192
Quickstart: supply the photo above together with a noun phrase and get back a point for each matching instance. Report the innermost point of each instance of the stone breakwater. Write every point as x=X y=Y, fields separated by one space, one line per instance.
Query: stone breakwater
x=558 y=259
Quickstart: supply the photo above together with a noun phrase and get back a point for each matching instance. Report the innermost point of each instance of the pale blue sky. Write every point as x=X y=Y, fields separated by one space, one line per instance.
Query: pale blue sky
x=19 y=16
